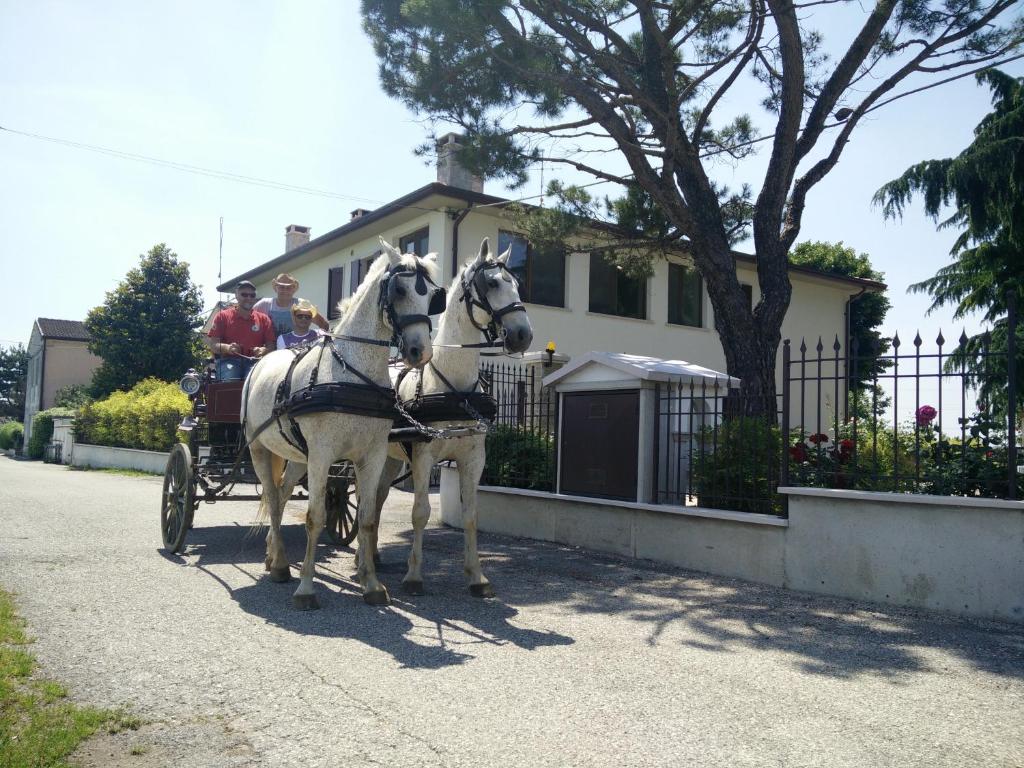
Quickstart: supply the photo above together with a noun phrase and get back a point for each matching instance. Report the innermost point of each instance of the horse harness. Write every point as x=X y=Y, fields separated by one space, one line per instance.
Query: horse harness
x=364 y=399
x=415 y=415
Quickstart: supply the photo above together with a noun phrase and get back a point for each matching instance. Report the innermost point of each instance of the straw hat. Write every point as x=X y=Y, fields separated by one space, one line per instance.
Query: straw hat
x=284 y=280
x=304 y=306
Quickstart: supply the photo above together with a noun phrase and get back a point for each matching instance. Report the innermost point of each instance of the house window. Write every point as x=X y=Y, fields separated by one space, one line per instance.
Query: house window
x=748 y=291
x=685 y=296
x=541 y=274
x=359 y=269
x=613 y=292
x=335 y=286
x=418 y=242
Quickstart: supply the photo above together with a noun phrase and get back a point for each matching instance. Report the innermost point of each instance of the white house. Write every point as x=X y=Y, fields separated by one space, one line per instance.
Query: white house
x=578 y=301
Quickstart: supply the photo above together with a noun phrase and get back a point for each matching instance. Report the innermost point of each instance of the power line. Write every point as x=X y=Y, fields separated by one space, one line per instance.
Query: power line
x=243 y=179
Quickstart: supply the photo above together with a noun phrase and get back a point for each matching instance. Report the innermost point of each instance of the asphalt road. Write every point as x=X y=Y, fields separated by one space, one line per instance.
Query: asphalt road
x=583 y=660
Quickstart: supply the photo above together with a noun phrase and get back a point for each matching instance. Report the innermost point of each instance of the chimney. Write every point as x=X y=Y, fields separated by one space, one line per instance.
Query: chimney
x=358 y=213
x=295 y=237
x=449 y=170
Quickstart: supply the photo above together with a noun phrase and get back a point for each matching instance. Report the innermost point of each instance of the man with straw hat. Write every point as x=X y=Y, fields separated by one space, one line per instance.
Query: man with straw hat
x=280 y=307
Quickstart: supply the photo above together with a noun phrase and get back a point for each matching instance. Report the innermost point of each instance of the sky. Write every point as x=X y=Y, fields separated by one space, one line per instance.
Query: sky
x=289 y=92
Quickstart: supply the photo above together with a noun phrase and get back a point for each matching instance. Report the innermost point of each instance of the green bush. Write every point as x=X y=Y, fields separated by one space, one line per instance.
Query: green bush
x=42 y=430
x=738 y=468
x=519 y=459
x=11 y=435
x=145 y=417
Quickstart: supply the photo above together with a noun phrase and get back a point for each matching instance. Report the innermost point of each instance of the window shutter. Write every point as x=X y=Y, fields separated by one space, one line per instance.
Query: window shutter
x=335 y=283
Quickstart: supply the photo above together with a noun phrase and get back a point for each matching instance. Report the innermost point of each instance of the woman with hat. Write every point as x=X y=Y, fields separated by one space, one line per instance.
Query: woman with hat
x=303 y=315
x=280 y=307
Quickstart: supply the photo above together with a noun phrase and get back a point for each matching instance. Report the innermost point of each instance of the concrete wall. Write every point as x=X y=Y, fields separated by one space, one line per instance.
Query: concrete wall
x=960 y=555
x=964 y=556
x=102 y=456
x=715 y=541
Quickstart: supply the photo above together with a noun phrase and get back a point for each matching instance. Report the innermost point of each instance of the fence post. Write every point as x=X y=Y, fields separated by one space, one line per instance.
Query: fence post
x=1011 y=371
x=784 y=442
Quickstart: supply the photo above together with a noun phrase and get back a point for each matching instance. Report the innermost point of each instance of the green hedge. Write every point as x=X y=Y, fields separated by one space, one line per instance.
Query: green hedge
x=42 y=430
x=11 y=435
x=145 y=417
x=519 y=459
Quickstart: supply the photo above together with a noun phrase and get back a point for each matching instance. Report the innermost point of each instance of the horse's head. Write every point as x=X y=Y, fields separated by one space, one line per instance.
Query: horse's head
x=491 y=293
x=408 y=296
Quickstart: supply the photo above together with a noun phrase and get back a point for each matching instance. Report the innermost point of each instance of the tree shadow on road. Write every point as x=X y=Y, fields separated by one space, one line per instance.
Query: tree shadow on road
x=827 y=636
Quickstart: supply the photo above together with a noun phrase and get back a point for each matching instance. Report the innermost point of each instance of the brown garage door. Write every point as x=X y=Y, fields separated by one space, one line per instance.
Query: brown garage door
x=600 y=436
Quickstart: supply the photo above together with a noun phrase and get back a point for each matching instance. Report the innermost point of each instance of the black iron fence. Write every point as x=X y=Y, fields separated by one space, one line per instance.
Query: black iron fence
x=521 y=448
x=929 y=418
x=707 y=453
x=917 y=417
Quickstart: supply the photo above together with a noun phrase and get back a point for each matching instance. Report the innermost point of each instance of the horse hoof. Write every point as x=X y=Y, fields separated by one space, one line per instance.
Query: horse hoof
x=280 y=575
x=379 y=597
x=481 y=590
x=413 y=587
x=306 y=602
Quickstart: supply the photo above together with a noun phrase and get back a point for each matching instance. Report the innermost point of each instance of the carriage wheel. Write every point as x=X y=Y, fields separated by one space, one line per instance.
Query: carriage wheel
x=342 y=510
x=179 y=493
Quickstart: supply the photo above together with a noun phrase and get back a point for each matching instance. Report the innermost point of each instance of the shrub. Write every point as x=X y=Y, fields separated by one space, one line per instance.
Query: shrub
x=72 y=396
x=11 y=435
x=735 y=466
x=42 y=430
x=519 y=459
x=145 y=417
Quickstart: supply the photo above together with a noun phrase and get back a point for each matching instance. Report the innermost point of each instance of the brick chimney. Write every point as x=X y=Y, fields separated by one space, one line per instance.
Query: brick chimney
x=358 y=213
x=449 y=170
x=295 y=237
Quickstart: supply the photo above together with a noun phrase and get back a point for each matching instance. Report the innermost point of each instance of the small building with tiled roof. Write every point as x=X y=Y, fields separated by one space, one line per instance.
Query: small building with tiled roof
x=58 y=357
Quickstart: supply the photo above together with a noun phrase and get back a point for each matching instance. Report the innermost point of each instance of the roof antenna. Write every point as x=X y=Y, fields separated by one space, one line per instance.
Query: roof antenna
x=220 y=252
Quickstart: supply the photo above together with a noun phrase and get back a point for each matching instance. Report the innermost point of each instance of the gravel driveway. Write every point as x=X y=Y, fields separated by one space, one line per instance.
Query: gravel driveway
x=583 y=659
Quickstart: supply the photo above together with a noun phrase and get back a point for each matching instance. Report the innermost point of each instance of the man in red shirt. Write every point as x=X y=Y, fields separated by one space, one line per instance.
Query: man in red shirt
x=240 y=330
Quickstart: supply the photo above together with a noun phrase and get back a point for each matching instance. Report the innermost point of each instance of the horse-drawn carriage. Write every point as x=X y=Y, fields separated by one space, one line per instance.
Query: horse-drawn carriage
x=214 y=464
x=312 y=404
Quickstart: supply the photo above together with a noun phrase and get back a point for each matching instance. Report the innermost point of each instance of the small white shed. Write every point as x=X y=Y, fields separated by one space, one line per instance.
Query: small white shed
x=622 y=418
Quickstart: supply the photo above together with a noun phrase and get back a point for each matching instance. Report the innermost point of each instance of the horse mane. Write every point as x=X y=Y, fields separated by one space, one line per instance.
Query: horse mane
x=379 y=266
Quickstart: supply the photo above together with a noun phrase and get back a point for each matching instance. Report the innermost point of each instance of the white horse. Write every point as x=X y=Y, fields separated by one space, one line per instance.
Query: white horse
x=392 y=303
x=484 y=299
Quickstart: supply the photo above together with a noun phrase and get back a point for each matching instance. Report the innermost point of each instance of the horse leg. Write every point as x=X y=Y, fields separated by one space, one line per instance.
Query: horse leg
x=368 y=473
x=469 y=480
x=305 y=596
x=422 y=461
x=277 y=559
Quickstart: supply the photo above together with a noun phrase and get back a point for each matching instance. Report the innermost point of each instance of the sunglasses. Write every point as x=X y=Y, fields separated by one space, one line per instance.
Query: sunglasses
x=247 y=295
x=303 y=317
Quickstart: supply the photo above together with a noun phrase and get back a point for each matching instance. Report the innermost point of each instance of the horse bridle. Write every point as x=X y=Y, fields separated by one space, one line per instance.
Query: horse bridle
x=476 y=278
x=390 y=292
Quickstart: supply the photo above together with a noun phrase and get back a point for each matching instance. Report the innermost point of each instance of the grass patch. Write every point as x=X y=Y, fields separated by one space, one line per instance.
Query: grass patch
x=120 y=471
x=38 y=725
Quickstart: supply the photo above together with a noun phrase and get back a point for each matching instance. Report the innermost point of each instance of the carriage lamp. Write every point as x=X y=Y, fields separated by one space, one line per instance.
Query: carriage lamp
x=190 y=382
x=550 y=350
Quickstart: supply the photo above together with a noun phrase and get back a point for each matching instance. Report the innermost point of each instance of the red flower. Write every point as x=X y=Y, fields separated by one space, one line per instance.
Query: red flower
x=846 y=445
x=925 y=415
x=818 y=438
x=798 y=453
